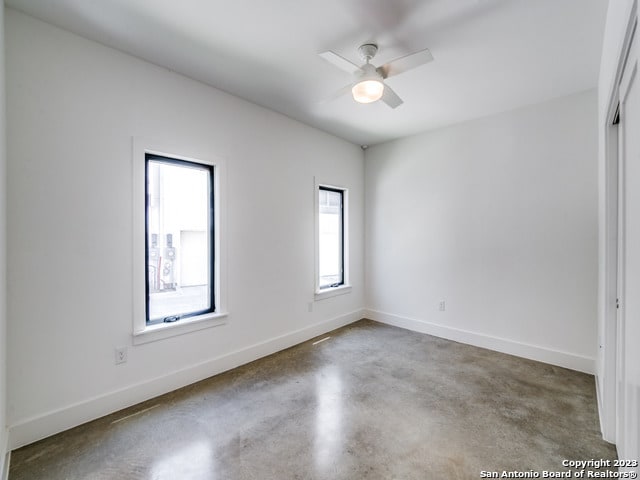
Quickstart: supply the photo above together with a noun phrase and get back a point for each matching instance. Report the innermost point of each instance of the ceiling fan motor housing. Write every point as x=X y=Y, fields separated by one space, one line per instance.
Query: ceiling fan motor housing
x=368 y=71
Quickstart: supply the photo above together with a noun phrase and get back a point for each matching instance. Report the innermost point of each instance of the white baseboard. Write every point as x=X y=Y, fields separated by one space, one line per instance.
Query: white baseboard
x=532 y=352
x=607 y=418
x=42 y=426
x=5 y=456
x=600 y=407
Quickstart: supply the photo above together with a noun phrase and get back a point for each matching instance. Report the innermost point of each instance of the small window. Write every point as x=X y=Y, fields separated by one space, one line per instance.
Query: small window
x=330 y=237
x=179 y=239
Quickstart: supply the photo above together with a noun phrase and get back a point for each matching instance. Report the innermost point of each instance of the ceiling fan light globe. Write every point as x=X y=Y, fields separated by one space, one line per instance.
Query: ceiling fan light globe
x=367 y=91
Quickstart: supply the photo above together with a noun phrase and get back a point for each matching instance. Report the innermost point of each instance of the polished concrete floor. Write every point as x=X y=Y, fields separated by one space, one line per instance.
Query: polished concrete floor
x=369 y=402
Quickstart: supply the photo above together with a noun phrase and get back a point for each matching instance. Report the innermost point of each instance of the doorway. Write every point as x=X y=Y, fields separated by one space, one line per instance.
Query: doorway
x=619 y=327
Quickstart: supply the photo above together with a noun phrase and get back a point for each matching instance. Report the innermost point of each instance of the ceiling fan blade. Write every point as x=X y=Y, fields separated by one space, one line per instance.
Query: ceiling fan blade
x=390 y=97
x=340 y=62
x=402 y=64
x=337 y=94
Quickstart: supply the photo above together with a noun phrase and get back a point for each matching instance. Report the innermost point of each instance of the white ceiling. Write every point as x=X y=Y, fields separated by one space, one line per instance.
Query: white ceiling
x=490 y=55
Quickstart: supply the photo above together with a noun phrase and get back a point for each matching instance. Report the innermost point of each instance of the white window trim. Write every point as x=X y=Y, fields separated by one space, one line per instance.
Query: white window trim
x=329 y=292
x=143 y=333
x=332 y=292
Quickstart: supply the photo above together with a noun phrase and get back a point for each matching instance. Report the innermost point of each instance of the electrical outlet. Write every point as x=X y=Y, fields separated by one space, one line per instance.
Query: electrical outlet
x=310 y=307
x=441 y=306
x=121 y=355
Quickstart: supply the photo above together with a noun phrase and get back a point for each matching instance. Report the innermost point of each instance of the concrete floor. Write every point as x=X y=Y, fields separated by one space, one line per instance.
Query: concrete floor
x=371 y=401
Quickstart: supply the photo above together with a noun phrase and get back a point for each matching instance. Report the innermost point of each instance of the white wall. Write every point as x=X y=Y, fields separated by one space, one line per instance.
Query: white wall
x=498 y=218
x=73 y=107
x=3 y=268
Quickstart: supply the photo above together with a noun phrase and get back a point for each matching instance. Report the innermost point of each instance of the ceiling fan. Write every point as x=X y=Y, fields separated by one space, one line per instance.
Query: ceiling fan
x=368 y=85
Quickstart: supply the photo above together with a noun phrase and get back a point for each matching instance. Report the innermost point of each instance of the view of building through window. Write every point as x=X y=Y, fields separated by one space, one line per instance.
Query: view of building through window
x=179 y=239
x=331 y=238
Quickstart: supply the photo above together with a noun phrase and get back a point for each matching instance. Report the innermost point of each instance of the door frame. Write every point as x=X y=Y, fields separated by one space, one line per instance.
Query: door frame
x=608 y=327
x=628 y=77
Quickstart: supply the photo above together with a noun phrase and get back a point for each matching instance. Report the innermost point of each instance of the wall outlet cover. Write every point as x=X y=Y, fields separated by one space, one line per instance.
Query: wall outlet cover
x=121 y=355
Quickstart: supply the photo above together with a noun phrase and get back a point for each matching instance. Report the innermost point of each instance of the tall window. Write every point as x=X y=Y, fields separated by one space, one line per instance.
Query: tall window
x=179 y=239
x=331 y=237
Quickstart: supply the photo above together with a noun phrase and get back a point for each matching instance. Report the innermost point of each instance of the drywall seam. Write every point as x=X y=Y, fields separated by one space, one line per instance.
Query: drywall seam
x=532 y=352
x=41 y=426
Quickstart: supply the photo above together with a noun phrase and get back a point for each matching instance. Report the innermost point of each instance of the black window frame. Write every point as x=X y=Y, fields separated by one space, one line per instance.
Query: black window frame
x=192 y=164
x=342 y=195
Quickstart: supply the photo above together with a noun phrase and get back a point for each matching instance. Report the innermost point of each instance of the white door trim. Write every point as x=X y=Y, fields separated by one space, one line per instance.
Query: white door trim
x=628 y=77
x=609 y=280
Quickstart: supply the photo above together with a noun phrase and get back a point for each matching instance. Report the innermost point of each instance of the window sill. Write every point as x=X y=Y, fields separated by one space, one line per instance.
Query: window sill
x=332 y=292
x=161 y=331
